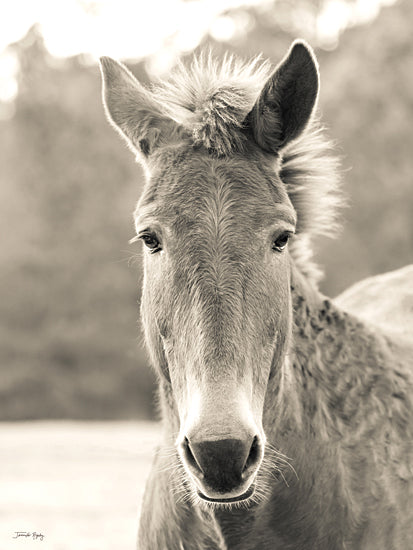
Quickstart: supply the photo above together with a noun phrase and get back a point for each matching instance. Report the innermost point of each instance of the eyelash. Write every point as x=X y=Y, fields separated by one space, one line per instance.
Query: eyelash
x=280 y=243
x=151 y=241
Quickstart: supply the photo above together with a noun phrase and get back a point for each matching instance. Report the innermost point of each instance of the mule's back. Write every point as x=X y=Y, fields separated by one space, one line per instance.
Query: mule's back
x=384 y=300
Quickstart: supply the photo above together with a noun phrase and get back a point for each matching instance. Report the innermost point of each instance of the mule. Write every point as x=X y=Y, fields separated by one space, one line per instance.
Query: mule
x=287 y=417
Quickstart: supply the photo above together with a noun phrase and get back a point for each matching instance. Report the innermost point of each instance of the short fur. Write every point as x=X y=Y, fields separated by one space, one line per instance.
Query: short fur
x=245 y=346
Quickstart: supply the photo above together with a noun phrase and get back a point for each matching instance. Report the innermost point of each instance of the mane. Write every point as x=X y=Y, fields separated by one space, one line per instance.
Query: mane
x=210 y=100
x=310 y=172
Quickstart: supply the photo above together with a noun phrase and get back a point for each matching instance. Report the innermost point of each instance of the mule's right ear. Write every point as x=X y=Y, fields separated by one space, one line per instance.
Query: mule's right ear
x=130 y=108
x=287 y=101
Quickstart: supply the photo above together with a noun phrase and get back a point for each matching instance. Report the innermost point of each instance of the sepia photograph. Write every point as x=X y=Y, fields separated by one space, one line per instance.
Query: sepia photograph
x=206 y=331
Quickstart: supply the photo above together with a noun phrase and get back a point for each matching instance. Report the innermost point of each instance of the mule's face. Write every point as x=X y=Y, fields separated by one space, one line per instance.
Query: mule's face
x=215 y=219
x=216 y=305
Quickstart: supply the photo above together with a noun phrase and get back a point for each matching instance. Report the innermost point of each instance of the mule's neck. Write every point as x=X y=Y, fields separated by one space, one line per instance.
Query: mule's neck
x=332 y=366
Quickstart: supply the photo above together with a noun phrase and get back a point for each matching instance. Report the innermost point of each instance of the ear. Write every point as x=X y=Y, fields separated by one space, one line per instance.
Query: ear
x=287 y=101
x=131 y=109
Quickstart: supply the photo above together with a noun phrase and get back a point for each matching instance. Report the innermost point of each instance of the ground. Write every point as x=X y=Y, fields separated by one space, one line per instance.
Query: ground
x=79 y=484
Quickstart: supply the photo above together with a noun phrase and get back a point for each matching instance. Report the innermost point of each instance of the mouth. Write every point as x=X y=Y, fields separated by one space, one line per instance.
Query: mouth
x=248 y=493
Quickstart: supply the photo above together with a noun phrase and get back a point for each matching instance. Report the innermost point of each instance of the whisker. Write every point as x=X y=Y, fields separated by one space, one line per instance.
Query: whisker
x=278 y=459
x=282 y=475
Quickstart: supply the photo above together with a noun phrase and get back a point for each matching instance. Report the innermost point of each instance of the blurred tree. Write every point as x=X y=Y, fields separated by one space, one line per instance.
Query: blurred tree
x=367 y=99
x=70 y=312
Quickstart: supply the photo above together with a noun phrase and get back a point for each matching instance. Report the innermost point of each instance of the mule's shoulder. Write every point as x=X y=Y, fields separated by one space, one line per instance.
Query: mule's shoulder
x=384 y=300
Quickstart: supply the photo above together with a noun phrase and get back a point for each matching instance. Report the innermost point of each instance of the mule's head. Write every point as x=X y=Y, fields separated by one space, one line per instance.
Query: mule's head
x=215 y=219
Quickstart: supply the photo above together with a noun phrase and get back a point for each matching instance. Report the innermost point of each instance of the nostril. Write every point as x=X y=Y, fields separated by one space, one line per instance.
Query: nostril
x=254 y=455
x=190 y=458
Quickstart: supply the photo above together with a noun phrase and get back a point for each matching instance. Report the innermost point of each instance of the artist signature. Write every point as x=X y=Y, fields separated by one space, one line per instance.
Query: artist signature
x=26 y=534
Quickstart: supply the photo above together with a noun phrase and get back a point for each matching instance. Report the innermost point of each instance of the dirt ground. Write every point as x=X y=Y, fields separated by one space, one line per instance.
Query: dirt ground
x=79 y=484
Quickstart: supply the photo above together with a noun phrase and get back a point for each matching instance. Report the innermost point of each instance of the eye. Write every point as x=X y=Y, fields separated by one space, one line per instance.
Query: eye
x=151 y=241
x=281 y=241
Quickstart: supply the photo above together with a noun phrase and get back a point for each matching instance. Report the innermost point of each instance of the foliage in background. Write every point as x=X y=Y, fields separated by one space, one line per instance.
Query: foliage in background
x=70 y=343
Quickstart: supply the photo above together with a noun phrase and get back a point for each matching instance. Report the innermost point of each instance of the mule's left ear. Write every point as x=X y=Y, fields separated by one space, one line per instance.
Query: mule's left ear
x=287 y=101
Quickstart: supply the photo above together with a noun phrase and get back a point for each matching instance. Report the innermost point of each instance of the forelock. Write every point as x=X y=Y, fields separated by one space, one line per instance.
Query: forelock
x=210 y=99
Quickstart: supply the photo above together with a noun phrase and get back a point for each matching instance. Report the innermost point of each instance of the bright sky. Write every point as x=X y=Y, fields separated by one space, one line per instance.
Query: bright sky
x=161 y=29
x=121 y=28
